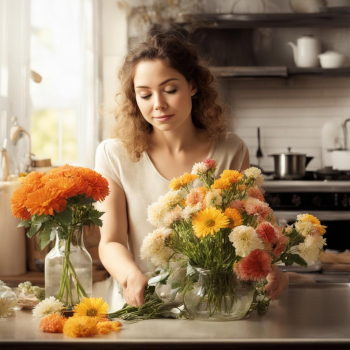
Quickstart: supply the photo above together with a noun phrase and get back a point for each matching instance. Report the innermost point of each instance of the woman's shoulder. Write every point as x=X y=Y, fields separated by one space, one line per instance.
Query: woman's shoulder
x=231 y=139
x=111 y=147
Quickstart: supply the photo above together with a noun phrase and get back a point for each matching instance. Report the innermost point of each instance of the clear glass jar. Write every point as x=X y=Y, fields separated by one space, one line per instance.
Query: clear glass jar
x=218 y=297
x=68 y=268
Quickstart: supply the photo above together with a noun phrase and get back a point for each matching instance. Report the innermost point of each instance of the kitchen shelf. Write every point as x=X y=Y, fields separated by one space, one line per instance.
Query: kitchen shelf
x=291 y=20
x=277 y=71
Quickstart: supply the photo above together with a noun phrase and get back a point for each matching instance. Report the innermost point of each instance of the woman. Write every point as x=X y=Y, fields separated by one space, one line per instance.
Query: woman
x=168 y=119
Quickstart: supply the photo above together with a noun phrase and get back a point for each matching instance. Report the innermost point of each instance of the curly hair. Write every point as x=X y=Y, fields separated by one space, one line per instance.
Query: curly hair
x=174 y=48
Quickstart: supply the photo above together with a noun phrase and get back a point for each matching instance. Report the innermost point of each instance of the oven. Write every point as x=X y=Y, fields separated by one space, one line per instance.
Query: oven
x=329 y=201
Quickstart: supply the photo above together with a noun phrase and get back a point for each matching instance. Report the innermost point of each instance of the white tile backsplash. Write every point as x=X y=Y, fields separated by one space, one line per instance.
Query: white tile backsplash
x=290 y=113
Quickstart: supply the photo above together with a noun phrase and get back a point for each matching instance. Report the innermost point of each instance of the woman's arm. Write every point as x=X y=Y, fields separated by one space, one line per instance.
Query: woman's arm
x=113 y=251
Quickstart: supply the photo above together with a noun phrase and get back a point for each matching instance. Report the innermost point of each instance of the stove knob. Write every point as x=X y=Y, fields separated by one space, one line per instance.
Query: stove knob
x=317 y=201
x=344 y=201
x=296 y=200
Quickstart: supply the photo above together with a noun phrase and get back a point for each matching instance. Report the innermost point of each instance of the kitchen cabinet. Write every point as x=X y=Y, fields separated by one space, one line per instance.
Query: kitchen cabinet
x=255 y=45
x=307 y=316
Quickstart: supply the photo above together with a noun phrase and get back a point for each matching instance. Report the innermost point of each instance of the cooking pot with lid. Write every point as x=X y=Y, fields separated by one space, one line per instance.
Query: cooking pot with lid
x=290 y=165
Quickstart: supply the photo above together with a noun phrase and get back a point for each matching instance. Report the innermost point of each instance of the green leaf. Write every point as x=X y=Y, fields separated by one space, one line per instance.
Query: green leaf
x=42 y=218
x=34 y=229
x=96 y=221
x=299 y=260
x=65 y=217
x=44 y=238
x=24 y=223
x=95 y=213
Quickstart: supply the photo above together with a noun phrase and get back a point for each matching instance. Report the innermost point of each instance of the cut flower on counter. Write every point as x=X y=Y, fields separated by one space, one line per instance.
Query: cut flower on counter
x=225 y=228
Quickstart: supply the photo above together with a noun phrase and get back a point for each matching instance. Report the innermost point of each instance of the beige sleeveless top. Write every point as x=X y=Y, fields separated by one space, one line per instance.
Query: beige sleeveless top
x=143 y=184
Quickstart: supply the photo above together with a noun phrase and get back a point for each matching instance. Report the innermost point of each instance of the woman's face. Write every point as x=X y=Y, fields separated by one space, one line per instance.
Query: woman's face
x=163 y=95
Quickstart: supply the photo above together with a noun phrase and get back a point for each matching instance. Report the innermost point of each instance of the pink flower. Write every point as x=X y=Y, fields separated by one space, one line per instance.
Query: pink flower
x=280 y=244
x=237 y=204
x=255 y=207
x=255 y=192
x=210 y=163
x=254 y=267
x=195 y=196
x=266 y=232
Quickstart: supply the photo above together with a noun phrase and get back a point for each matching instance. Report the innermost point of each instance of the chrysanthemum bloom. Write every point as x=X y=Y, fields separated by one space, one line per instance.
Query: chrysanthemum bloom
x=258 y=208
x=171 y=199
x=255 y=192
x=18 y=199
x=66 y=187
x=48 y=306
x=310 y=249
x=93 y=307
x=266 y=232
x=195 y=196
x=305 y=228
x=63 y=171
x=254 y=173
x=178 y=182
x=156 y=212
x=212 y=198
x=209 y=221
x=199 y=169
x=237 y=204
x=254 y=267
x=314 y=220
x=44 y=201
x=245 y=240
x=234 y=217
x=153 y=247
x=97 y=185
x=221 y=184
x=108 y=326
x=80 y=326
x=233 y=176
x=52 y=324
x=172 y=216
x=191 y=210
x=210 y=163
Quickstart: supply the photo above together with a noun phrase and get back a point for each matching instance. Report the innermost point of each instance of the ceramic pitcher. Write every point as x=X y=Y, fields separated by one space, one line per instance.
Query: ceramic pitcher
x=306 y=51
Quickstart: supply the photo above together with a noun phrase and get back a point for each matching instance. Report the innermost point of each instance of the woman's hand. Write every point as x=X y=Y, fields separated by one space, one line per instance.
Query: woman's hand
x=278 y=282
x=134 y=288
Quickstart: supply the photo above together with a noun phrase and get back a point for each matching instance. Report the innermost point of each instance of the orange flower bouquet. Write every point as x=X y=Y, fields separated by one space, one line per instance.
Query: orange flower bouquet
x=57 y=205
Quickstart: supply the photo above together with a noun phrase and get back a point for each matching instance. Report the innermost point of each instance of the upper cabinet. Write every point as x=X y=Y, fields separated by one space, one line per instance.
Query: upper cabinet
x=256 y=45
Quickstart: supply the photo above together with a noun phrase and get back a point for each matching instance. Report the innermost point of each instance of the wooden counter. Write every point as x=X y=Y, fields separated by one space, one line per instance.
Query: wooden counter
x=308 y=316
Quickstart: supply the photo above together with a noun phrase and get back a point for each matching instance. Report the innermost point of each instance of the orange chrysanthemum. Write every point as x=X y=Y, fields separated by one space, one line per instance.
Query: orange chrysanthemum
x=45 y=201
x=231 y=175
x=309 y=218
x=62 y=171
x=18 y=199
x=52 y=323
x=221 y=184
x=81 y=326
x=108 y=326
x=67 y=187
x=178 y=182
x=34 y=179
x=97 y=184
x=234 y=217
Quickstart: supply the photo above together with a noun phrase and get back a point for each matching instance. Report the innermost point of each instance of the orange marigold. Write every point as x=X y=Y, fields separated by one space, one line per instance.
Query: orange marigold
x=62 y=171
x=97 y=185
x=80 y=326
x=34 y=179
x=108 y=326
x=44 y=201
x=178 y=182
x=231 y=175
x=52 y=323
x=221 y=184
x=234 y=217
x=67 y=187
x=18 y=199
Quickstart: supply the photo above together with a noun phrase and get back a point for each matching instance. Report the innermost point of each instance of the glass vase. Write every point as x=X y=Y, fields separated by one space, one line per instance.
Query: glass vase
x=218 y=297
x=68 y=268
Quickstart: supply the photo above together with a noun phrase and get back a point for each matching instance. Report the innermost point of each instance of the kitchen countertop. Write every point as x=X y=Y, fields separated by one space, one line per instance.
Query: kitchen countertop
x=307 y=316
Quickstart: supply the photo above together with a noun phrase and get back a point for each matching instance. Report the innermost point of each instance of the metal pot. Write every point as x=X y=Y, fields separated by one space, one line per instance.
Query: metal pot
x=290 y=165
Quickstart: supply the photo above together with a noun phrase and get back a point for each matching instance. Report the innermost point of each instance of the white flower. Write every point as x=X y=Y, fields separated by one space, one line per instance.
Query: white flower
x=199 y=169
x=6 y=306
x=245 y=240
x=172 y=198
x=47 y=307
x=256 y=174
x=190 y=210
x=156 y=212
x=172 y=216
x=153 y=247
x=310 y=249
x=212 y=198
x=305 y=228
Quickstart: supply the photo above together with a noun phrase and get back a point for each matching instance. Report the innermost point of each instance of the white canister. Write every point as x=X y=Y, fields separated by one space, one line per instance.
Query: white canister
x=13 y=240
x=341 y=160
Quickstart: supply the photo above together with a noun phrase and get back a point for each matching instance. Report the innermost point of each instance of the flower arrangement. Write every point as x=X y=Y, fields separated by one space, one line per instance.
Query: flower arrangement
x=89 y=318
x=57 y=205
x=225 y=239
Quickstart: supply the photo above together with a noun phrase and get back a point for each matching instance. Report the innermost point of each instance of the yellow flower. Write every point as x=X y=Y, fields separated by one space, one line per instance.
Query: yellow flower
x=80 y=326
x=221 y=184
x=231 y=175
x=309 y=218
x=108 y=326
x=178 y=182
x=234 y=217
x=209 y=221
x=93 y=307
